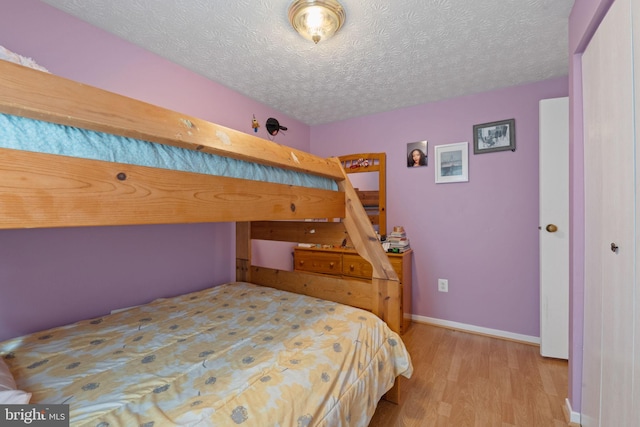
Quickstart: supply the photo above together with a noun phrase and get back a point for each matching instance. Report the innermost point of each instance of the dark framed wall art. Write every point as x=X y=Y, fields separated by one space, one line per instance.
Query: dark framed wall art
x=494 y=136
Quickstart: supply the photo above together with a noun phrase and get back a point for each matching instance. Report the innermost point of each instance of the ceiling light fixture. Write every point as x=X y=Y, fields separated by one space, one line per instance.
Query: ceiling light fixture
x=316 y=20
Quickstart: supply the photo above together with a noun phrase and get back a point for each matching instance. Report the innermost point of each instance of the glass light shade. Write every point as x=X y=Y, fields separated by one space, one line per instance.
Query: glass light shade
x=316 y=20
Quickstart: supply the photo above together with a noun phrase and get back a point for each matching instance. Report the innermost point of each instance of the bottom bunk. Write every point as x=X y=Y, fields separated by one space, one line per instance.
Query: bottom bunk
x=234 y=354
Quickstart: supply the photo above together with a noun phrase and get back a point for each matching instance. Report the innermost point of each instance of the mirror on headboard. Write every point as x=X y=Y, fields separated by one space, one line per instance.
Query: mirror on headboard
x=368 y=176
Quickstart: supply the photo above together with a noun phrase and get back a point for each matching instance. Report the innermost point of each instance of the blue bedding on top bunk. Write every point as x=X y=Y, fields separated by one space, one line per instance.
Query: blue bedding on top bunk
x=34 y=135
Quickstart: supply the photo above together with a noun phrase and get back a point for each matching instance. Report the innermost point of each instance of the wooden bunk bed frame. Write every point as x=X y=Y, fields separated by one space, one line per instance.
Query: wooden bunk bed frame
x=374 y=201
x=44 y=190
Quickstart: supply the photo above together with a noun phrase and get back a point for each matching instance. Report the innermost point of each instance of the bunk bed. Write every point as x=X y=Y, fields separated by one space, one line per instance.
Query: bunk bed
x=289 y=325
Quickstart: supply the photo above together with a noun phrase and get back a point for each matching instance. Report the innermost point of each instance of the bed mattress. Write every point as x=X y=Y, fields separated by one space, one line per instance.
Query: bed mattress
x=27 y=134
x=235 y=354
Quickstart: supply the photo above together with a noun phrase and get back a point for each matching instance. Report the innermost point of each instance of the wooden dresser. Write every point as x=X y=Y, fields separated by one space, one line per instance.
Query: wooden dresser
x=348 y=264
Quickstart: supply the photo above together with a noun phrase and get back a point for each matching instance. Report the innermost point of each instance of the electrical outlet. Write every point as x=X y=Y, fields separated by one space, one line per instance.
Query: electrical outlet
x=443 y=285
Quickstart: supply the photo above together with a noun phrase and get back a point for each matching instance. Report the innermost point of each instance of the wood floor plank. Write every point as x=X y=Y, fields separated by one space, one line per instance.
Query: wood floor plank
x=463 y=379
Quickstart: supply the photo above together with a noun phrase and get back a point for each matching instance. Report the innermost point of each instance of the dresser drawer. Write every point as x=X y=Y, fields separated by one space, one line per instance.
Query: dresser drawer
x=318 y=262
x=397 y=263
x=350 y=265
x=356 y=266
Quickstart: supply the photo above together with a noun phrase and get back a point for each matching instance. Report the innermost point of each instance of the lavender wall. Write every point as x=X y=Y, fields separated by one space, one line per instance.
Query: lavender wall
x=585 y=17
x=481 y=235
x=52 y=277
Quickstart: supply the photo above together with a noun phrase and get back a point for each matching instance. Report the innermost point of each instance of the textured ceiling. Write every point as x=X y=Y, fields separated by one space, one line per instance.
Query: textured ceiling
x=388 y=55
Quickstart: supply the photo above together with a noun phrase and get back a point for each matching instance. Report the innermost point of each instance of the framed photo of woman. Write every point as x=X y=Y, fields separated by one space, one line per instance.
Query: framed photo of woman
x=417 y=154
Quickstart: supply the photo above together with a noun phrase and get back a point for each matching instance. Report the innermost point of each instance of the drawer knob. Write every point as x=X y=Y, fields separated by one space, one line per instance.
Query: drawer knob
x=301 y=262
x=352 y=267
x=331 y=264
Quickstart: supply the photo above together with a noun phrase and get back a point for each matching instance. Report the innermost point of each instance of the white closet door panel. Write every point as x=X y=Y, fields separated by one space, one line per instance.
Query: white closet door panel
x=618 y=216
x=609 y=177
x=592 y=338
x=617 y=302
x=635 y=14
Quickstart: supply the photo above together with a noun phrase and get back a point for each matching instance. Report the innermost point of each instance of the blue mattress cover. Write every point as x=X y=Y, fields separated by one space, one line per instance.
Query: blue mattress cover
x=26 y=134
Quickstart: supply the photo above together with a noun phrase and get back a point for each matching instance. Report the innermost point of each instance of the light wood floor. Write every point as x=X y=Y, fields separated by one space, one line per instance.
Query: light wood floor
x=462 y=379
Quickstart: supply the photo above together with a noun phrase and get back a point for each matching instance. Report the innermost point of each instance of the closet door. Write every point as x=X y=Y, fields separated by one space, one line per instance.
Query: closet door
x=635 y=23
x=608 y=354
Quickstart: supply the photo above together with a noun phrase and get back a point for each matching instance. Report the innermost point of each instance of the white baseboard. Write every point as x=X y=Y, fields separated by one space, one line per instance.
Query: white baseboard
x=573 y=418
x=476 y=329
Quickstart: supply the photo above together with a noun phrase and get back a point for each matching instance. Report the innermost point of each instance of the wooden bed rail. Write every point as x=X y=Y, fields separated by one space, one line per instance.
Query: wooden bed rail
x=323 y=233
x=45 y=190
x=39 y=95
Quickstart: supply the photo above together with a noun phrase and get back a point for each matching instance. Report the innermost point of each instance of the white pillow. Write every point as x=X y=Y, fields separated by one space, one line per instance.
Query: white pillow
x=6 y=379
x=8 y=392
x=14 y=397
x=7 y=55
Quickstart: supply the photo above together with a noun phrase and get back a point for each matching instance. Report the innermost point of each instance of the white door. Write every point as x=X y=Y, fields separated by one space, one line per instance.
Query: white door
x=609 y=394
x=554 y=227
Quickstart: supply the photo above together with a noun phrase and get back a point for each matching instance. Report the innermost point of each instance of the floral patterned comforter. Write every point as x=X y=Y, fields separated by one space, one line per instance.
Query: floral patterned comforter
x=236 y=354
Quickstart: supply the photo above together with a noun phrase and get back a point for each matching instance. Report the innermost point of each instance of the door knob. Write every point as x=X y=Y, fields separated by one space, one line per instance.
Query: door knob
x=614 y=247
x=552 y=228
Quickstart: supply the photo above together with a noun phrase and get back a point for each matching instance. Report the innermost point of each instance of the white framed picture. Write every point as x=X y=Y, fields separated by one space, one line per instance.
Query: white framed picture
x=452 y=162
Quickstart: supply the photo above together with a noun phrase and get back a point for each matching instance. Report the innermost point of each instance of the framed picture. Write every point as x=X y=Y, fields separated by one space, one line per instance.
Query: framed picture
x=452 y=162
x=494 y=136
x=417 y=154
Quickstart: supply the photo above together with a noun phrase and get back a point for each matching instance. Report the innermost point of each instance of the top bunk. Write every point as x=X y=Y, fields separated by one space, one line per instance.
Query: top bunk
x=89 y=177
